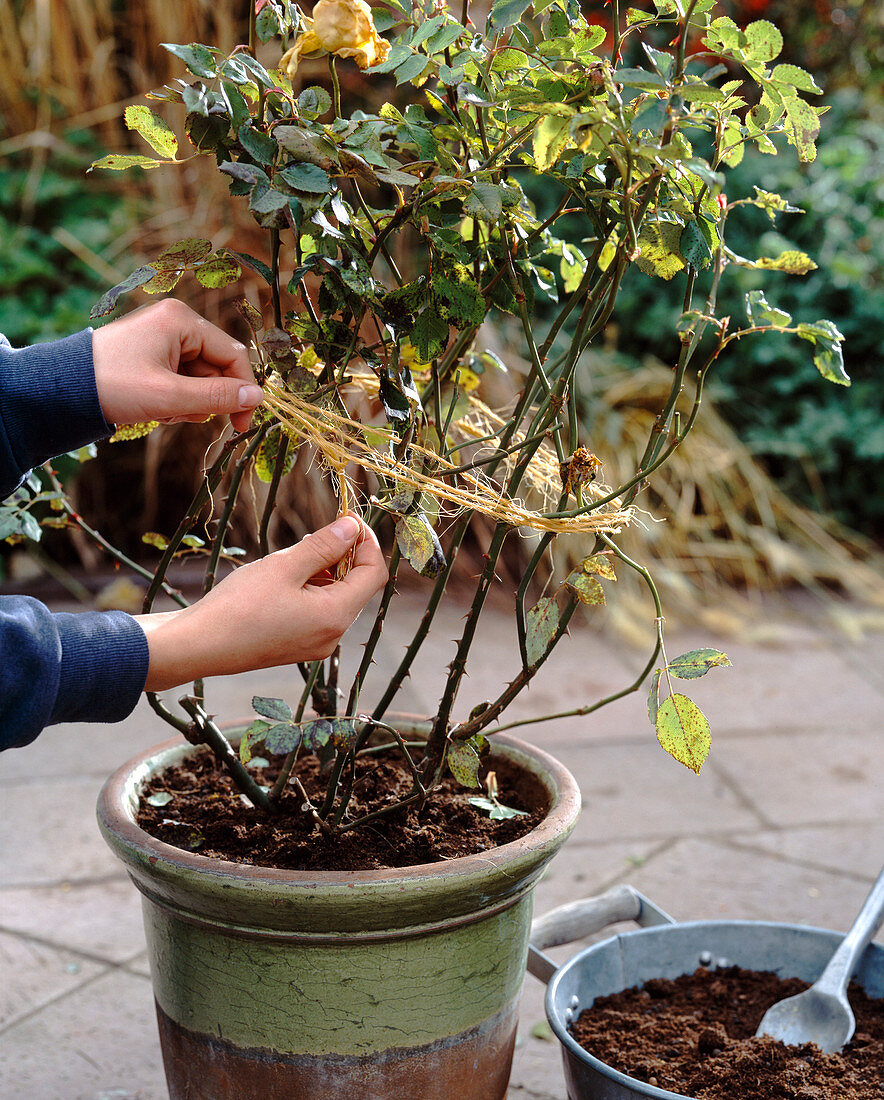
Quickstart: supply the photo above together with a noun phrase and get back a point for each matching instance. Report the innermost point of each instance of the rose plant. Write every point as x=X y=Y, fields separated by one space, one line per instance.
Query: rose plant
x=397 y=230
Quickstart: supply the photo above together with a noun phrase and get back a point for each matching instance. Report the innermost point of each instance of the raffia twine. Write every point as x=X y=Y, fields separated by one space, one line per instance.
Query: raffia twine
x=341 y=440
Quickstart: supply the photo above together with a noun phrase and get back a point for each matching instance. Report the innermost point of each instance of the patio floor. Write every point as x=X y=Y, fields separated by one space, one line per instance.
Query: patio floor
x=785 y=822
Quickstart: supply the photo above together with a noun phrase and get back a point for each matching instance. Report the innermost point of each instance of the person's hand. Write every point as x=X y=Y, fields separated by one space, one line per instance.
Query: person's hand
x=164 y=362
x=278 y=610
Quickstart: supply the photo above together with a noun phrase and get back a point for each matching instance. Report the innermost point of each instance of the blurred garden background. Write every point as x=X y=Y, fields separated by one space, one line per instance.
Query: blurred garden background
x=779 y=486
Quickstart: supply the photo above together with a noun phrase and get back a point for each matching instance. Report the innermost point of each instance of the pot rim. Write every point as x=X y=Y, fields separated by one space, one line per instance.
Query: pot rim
x=116 y=818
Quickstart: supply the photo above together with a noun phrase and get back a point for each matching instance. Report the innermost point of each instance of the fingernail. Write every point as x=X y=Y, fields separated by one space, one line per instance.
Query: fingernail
x=250 y=396
x=346 y=528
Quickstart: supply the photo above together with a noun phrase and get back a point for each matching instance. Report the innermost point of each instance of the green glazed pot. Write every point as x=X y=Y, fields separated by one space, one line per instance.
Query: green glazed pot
x=370 y=985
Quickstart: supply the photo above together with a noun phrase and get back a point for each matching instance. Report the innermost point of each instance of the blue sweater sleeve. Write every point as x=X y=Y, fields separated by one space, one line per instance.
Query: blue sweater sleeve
x=57 y=667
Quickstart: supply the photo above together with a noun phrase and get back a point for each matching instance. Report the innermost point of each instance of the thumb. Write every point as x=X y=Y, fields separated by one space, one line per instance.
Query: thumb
x=208 y=396
x=325 y=547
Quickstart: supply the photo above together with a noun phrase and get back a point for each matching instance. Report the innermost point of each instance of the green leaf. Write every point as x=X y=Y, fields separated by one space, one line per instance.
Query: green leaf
x=654 y=696
x=181 y=254
x=411 y=68
x=764 y=41
x=309 y=178
x=256 y=69
x=119 y=162
x=683 y=731
x=495 y=810
x=267 y=200
x=266 y=23
x=696 y=663
x=255 y=265
x=316 y=734
x=459 y=294
x=541 y=624
x=551 y=135
x=314 y=101
x=419 y=545
x=108 y=300
x=760 y=313
x=429 y=335
x=484 y=202
x=236 y=105
x=463 y=761
x=587 y=589
x=282 y=738
x=277 y=709
x=693 y=246
x=828 y=357
x=258 y=145
x=199 y=59
x=152 y=128
x=506 y=13
x=218 y=272
x=795 y=77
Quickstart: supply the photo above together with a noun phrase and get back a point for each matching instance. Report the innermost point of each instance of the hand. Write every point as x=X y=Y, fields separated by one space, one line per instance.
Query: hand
x=165 y=362
x=276 y=611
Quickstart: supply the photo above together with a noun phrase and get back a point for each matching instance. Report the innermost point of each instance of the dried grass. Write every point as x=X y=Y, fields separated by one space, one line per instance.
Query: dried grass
x=714 y=528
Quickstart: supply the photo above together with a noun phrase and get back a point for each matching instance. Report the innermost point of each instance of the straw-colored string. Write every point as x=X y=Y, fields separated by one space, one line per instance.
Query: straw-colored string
x=341 y=440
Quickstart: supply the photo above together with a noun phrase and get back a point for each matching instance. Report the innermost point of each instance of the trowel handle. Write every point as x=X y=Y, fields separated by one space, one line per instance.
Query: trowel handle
x=582 y=918
x=841 y=966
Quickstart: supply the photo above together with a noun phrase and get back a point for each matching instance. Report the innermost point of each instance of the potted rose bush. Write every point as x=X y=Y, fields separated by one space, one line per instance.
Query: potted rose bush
x=397 y=229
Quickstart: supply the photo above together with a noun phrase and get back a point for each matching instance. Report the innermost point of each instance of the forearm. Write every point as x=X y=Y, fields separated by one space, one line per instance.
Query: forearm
x=60 y=667
x=48 y=404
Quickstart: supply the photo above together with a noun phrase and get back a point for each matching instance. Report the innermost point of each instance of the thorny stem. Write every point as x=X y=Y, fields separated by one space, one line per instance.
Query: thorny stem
x=221 y=747
x=272 y=490
x=208 y=485
x=521 y=681
x=289 y=762
x=101 y=541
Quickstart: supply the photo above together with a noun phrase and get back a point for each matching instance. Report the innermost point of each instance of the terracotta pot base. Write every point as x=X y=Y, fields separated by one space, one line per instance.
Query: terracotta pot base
x=474 y=1065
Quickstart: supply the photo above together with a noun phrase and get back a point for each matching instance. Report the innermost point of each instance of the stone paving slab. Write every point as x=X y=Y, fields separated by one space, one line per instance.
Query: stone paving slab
x=786 y=821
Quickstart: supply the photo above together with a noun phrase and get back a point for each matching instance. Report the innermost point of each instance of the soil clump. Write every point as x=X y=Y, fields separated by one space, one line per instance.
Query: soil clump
x=695 y=1035
x=207 y=814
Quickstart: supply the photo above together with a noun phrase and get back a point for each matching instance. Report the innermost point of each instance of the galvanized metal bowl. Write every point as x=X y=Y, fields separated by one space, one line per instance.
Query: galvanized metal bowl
x=664 y=949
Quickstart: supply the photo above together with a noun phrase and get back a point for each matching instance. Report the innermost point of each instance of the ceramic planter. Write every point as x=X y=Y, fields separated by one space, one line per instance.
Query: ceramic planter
x=336 y=985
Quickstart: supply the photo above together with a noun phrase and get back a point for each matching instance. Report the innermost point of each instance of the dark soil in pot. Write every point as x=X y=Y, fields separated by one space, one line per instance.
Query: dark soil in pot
x=207 y=814
x=695 y=1035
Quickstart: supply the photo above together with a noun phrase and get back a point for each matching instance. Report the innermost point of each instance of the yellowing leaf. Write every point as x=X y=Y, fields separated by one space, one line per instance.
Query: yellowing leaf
x=551 y=135
x=791 y=261
x=689 y=666
x=683 y=731
x=659 y=243
x=540 y=626
x=218 y=272
x=119 y=162
x=463 y=760
x=186 y=253
x=151 y=127
x=419 y=545
x=125 y=432
x=587 y=589
x=601 y=565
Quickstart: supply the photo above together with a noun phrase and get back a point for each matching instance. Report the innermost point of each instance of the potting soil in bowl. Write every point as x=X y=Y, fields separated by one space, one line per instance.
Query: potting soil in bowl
x=695 y=1035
